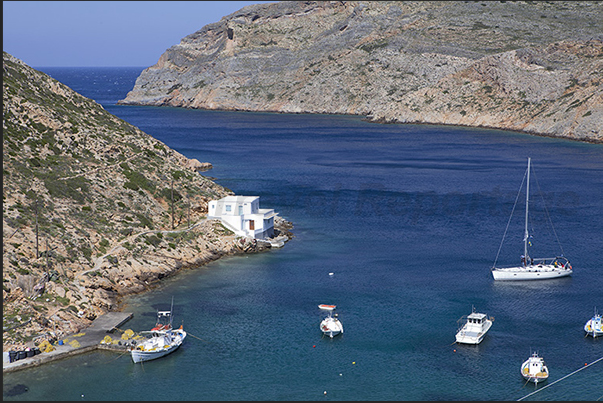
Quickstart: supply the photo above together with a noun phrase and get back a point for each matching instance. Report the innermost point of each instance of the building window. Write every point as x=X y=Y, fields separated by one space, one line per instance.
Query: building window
x=251 y=224
x=240 y=210
x=228 y=207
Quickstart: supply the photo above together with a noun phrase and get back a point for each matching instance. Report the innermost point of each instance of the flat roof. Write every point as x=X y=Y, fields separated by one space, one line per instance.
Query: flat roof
x=237 y=199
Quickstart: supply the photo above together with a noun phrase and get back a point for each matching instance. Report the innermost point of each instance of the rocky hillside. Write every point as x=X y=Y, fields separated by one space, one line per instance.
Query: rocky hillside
x=533 y=66
x=93 y=209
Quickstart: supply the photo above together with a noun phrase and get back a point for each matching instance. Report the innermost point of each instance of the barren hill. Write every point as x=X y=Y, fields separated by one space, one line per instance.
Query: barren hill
x=533 y=66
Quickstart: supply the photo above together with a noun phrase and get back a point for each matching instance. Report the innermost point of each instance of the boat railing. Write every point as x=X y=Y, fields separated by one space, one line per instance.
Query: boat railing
x=550 y=259
x=461 y=322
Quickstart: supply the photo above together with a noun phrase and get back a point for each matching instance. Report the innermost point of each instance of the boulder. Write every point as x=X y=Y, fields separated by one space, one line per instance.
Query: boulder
x=195 y=165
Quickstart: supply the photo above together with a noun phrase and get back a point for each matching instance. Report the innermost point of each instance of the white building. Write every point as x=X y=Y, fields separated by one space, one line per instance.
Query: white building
x=243 y=215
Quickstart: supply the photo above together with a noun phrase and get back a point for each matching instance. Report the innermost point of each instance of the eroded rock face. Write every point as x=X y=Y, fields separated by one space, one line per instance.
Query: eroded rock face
x=530 y=66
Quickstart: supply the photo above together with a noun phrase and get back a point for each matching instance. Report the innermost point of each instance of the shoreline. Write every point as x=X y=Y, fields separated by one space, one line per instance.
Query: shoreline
x=87 y=340
x=111 y=288
x=368 y=119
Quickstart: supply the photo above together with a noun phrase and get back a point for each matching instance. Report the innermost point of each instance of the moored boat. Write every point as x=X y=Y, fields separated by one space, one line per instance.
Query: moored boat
x=164 y=320
x=161 y=343
x=473 y=327
x=330 y=326
x=534 y=369
x=594 y=326
x=532 y=268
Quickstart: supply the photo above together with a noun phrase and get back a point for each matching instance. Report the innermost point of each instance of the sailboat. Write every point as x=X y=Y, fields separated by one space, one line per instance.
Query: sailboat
x=532 y=268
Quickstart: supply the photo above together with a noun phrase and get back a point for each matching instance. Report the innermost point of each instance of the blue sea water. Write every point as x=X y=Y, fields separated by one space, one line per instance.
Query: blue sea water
x=408 y=218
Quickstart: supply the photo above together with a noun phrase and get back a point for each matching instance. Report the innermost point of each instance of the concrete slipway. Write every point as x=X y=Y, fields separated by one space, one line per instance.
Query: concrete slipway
x=87 y=340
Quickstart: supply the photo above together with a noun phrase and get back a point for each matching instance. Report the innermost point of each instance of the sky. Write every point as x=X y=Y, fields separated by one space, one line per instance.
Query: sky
x=104 y=33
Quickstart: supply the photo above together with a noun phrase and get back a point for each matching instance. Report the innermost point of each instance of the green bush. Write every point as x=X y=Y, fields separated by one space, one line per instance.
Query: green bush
x=137 y=180
x=153 y=240
x=62 y=300
x=144 y=221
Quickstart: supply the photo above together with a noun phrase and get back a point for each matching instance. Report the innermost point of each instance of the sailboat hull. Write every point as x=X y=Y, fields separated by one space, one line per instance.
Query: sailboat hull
x=535 y=272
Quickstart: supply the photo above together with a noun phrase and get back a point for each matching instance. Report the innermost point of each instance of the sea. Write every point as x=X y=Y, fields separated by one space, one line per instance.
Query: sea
x=398 y=225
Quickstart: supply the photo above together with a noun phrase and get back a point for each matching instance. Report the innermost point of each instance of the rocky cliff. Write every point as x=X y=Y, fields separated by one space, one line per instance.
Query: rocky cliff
x=93 y=209
x=533 y=66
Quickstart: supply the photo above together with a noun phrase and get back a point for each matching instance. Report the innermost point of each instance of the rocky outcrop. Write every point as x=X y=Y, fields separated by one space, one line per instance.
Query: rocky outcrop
x=529 y=66
x=93 y=209
x=194 y=165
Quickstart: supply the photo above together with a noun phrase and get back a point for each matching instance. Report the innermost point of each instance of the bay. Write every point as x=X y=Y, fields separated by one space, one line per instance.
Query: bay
x=408 y=218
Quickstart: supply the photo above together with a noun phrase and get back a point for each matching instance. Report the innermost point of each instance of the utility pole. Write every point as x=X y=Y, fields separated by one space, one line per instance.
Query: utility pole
x=36 y=211
x=47 y=261
x=172 y=188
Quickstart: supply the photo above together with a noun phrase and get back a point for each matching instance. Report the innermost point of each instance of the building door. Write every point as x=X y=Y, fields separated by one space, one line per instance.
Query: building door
x=251 y=224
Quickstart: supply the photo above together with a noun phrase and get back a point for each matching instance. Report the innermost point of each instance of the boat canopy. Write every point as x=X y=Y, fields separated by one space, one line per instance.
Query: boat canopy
x=476 y=317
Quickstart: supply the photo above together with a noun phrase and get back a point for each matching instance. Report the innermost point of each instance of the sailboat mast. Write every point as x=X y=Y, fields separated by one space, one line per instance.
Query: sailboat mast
x=172 y=310
x=525 y=236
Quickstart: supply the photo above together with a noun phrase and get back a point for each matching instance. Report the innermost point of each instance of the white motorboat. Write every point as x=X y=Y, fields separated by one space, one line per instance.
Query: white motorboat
x=531 y=268
x=534 y=369
x=594 y=326
x=330 y=326
x=161 y=343
x=473 y=327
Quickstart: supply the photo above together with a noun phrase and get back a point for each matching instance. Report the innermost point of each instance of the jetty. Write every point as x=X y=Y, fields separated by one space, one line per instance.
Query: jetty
x=87 y=340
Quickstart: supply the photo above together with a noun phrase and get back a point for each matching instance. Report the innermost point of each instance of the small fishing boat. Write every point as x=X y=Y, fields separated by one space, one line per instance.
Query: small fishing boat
x=534 y=369
x=161 y=343
x=164 y=320
x=594 y=326
x=473 y=327
x=330 y=326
